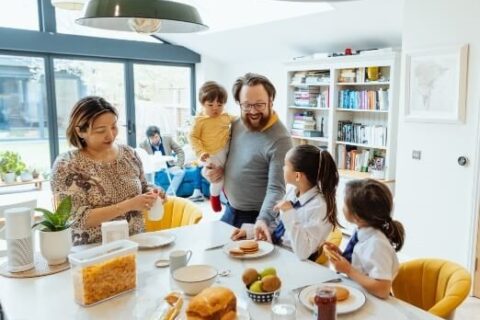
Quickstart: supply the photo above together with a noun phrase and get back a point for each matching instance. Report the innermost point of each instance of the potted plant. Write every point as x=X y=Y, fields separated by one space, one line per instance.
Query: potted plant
x=11 y=165
x=55 y=232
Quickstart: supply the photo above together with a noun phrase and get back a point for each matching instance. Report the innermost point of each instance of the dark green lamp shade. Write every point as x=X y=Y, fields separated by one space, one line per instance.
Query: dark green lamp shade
x=144 y=16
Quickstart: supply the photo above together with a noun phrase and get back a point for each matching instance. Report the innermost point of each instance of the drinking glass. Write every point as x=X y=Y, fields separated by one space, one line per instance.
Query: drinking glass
x=283 y=307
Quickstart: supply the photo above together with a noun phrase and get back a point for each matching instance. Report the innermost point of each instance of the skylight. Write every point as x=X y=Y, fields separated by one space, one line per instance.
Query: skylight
x=221 y=15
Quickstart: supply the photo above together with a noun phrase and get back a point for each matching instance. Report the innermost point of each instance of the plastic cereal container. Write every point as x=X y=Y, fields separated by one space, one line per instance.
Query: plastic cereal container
x=104 y=272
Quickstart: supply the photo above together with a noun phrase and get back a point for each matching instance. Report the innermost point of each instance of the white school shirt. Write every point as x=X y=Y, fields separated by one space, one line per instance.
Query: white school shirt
x=306 y=228
x=374 y=256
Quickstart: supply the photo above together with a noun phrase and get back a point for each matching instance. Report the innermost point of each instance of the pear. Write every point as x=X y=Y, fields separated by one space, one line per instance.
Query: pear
x=256 y=287
x=268 y=272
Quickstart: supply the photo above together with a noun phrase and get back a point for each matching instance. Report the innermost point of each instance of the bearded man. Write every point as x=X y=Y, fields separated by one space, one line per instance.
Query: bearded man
x=254 y=169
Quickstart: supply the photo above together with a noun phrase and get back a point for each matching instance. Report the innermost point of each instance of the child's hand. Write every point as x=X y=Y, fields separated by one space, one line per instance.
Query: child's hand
x=283 y=205
x=204 y=156
x=330 y=247
x=339 y=262
x=238 y=234
x=262 y=232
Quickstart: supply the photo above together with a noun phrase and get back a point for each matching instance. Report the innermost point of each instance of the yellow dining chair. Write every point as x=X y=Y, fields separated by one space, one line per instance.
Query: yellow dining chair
x=437 y=286
x=334 y=237
x=177 y=212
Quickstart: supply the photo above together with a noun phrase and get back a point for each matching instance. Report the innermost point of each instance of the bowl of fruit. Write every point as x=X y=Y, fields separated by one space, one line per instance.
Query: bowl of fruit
x=261 y=286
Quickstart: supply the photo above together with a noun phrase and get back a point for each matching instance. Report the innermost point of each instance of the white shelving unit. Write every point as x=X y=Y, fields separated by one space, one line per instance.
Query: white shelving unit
x=333 y=112
x=332 y=83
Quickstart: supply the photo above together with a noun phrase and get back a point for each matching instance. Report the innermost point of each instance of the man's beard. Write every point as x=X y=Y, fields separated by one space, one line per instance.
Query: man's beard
x=262 y=122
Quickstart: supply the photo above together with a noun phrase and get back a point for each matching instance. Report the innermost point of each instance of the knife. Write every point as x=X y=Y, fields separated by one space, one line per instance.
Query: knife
x=219 y=246
x=335 y=280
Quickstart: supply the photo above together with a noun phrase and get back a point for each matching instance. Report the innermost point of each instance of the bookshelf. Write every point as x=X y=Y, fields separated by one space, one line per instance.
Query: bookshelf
x=357 y=98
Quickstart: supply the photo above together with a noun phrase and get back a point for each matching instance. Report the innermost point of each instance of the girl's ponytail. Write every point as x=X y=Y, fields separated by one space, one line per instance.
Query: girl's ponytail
x=320 y=170
x=395 y=233
x=327 y=180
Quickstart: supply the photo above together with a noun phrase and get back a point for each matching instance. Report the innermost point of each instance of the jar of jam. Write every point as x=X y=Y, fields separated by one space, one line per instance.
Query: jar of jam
x=326 y=302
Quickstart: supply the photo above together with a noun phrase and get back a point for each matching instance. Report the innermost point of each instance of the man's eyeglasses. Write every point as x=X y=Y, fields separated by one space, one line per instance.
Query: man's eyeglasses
x=259 y=106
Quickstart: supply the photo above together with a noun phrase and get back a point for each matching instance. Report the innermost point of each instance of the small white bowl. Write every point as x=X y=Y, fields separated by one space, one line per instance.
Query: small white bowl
x=193 y=279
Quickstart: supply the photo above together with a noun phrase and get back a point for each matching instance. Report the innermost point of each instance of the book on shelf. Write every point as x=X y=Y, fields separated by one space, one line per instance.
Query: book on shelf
x=359 y=133
x=315 y=77
x=351 y=158
x=304 y=124
x=363 y=99
x=304 y=115
x=347 y=75
x=306 y=96
x=306 y=133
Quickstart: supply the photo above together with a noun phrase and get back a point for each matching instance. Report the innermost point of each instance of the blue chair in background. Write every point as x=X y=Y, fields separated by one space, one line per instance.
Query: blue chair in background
x=188 y=183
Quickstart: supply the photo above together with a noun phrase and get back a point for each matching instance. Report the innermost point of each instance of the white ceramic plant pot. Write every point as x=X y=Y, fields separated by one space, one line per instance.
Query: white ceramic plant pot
x=55 y=246
x=9 y=177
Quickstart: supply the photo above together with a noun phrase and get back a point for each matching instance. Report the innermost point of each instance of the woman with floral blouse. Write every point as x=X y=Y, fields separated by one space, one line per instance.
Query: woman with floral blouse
x=104 y=179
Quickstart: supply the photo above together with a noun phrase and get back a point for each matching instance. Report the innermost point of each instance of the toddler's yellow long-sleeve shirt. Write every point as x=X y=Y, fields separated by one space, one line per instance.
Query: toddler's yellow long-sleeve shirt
x=210 y=134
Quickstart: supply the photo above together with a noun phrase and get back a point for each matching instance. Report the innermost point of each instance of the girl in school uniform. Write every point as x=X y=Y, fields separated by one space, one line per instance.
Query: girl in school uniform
x=370 y=256
x=309 y=212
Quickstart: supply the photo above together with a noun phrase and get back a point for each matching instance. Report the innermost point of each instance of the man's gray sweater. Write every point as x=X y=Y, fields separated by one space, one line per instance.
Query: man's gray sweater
x=254 y=168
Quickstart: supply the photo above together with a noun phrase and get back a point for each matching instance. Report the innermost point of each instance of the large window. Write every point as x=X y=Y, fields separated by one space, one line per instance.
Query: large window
x=23 y=110
x=162 y=98
x=19 y=14
x=75 y=79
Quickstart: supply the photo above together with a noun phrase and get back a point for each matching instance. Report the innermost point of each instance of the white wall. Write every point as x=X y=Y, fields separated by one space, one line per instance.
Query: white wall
x=272 y=68
x=435 y=197
x=209 y=69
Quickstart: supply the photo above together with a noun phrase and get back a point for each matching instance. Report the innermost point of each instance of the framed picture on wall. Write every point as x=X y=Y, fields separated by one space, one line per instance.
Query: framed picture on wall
x=435 y=84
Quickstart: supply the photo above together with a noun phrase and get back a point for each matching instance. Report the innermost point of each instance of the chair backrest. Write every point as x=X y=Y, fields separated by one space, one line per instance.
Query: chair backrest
x=334 y=237
x=177 y=212
x=437 y=286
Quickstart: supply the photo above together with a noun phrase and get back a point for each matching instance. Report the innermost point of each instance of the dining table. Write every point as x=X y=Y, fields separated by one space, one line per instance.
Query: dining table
x=52 y=297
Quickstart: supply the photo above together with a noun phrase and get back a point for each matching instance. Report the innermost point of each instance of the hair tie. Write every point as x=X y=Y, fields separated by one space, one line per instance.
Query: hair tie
x=386 y=225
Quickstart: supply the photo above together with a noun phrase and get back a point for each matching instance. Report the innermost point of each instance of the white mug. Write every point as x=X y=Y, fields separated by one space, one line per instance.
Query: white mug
x=179 y=258
x=156 y=211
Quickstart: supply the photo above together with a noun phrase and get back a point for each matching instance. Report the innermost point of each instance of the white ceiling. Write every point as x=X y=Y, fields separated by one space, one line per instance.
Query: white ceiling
x=358 y=25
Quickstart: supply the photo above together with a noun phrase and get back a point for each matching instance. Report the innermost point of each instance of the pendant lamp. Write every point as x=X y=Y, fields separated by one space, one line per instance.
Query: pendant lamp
x=142 y=16
x=316 y=0
x=68 y=4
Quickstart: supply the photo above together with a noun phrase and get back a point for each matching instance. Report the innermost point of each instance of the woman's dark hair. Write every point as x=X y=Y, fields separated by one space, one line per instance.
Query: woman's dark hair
x=211 y=91
x=372 y=202
x=320 y=169
x=151 y=131
x=83 y=114
x=253 y=79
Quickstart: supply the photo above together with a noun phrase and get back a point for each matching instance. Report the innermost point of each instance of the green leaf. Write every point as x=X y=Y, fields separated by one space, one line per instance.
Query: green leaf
x=48 y=225
x=65 y=207
x=58 y=220
x=47 y=215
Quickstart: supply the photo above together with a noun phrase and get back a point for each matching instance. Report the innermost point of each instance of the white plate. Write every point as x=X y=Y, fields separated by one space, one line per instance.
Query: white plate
x=151 y=240
x=355 y=300
x=264 y=248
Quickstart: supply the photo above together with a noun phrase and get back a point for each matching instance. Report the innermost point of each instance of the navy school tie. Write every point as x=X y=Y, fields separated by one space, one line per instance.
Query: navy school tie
x=347 y=253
